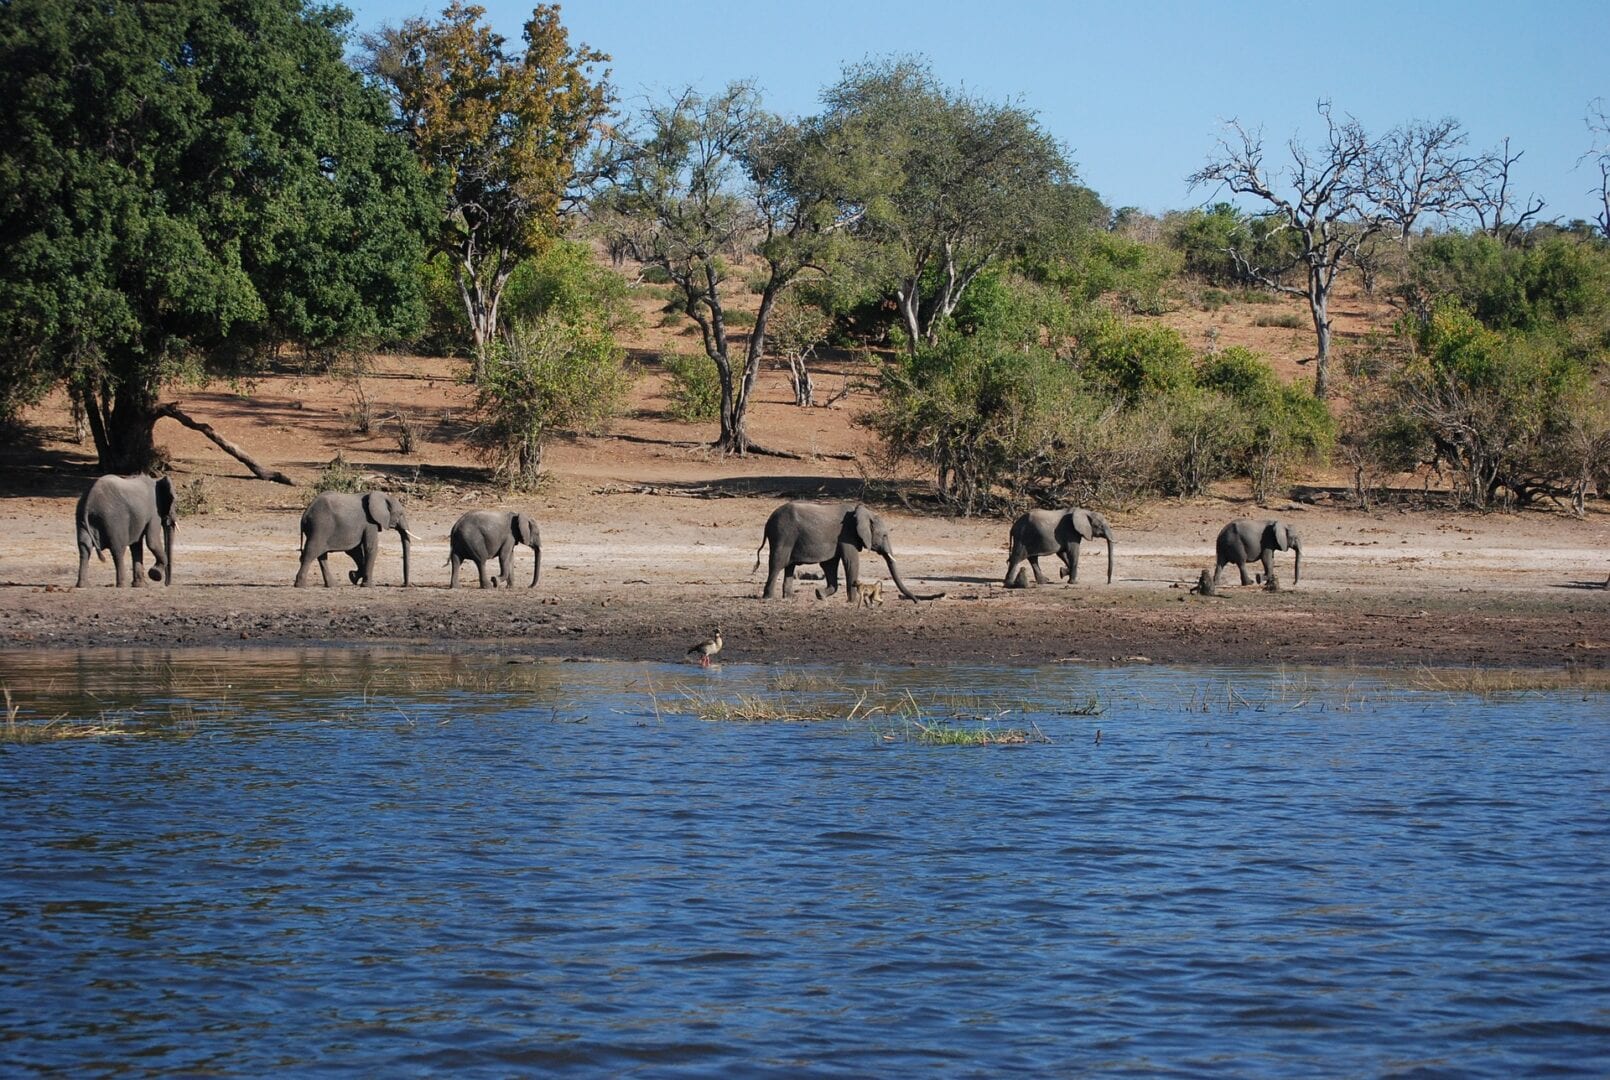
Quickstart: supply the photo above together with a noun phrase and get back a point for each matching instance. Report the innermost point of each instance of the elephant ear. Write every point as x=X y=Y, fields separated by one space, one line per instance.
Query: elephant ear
x=863 y=527
x=167 y=500
x=1080 y=521
x=525 y=530
x=377 y=507
x=1276 y=535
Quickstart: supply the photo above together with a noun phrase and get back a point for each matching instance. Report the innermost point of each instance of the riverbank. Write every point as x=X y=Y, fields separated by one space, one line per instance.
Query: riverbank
x=1385 y=589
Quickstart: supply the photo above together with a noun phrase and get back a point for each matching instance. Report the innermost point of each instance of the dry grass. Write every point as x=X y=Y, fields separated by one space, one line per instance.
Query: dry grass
x=16 y=730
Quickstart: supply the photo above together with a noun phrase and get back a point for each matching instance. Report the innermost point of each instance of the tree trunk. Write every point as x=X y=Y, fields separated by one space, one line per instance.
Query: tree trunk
x=171 y=409
x=1318 y=307
x=130 y=447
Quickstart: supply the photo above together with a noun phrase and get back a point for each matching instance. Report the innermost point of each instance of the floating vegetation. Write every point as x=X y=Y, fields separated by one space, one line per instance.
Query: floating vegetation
x=945 y=734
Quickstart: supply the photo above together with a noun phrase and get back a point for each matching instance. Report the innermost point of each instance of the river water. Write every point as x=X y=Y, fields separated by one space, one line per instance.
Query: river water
x=366 y=864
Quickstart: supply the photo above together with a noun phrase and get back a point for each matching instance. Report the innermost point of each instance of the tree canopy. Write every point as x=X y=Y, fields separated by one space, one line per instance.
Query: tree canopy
x=500 y=131
x=180 y=184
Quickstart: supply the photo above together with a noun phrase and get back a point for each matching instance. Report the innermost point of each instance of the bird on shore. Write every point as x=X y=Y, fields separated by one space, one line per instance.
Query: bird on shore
x=707 y=648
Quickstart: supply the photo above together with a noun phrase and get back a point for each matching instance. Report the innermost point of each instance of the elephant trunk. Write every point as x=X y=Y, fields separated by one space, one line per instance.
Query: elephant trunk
x=1296 y=560
x=167 y=552
x=1109 y=558
x=901 y=585
x=402 y=531
x=536 y=571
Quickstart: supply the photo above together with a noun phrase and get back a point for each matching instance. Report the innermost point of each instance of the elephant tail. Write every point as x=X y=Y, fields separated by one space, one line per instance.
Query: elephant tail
x=89 y=539
x=758 y=550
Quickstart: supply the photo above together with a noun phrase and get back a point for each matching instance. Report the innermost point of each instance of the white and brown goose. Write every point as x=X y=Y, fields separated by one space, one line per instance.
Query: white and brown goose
x=707 y=648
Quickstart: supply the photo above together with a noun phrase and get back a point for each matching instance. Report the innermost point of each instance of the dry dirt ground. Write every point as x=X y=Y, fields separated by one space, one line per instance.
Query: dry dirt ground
x=649 y=542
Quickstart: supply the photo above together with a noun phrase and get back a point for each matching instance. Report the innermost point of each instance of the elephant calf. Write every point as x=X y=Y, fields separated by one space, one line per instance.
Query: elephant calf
x=481 y=534
x=122 y=514
x=1246 y=540
x=1054 y=532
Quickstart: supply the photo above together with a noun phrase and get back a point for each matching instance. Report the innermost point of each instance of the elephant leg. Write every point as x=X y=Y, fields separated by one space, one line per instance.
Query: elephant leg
x=120 y=563
x=506 y=568
x=774 y=566
x=453 y=561
x=356 y=575
x=1241 y=565
x=1039 y=577
x=371 y=551
x=301 y=571
x=830 y=575
x=83 y=566
x=1014 y=564
x=324 y=570
x=1218 y=568
x=1070 y=555
x=137 y=562
x=788 y=581
x=1268 y=565
x=480 y=568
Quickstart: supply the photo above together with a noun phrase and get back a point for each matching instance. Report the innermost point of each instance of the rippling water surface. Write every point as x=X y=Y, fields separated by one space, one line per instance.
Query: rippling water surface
x=360 y=863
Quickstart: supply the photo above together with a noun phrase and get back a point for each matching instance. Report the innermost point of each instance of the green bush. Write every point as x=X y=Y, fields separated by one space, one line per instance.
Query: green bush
x=738 y=320
x=567 y=281
x=1133 y=361
x=1283 y=423
x=338 y=475
x=1561 y=279
x=983 y=414
x=549 y=375
x=695 y=386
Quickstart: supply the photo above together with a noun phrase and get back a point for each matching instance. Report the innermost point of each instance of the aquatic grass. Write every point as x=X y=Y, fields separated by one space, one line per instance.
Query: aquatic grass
x=177 y=718
x=946 y=734
x=1498 y=682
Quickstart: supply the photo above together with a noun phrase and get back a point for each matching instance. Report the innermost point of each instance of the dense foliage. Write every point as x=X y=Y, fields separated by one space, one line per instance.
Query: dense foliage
x=181 y=184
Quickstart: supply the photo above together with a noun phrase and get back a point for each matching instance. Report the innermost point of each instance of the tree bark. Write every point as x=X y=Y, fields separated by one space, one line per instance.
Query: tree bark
x=171 y=409
x=1319 y=308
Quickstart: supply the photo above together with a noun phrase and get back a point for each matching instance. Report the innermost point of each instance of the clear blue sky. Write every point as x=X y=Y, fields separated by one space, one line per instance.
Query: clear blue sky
x=1138 y=91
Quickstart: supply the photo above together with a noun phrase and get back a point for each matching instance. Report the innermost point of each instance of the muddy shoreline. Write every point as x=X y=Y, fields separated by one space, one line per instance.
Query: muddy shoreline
x=975 y=623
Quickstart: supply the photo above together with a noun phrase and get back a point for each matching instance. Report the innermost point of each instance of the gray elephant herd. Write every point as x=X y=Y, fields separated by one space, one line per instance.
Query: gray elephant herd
x=124 y=515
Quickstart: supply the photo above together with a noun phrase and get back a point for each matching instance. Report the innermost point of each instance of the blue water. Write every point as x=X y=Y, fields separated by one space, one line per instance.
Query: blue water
x=352 y=863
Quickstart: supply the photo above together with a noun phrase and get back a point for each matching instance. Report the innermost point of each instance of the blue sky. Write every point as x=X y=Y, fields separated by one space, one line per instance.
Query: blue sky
x=1138 y=91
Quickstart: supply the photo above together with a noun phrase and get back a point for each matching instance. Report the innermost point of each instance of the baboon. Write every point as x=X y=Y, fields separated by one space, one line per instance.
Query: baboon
x=1204 y=585
x=1271 y=583
x=868 y=594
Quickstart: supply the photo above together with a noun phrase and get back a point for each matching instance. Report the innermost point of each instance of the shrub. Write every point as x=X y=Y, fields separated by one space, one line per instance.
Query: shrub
x=1284 y=424
x=1135 y=362
x=338 y=475
x=978 y=411
x=1286 y=320
x=568 y=282
x=737 y=319
x=548 y=375
x=695 y=386
x=193 y=499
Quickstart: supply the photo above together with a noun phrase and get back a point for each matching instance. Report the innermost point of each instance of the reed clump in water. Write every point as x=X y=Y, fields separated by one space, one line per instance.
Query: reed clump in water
x=1492 y=682
x=174 y=719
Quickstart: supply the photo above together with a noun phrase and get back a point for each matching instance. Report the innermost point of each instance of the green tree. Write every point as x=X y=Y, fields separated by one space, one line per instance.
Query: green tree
x=548 y=375
x=499 y=131
x=706 y=181
x=180 y=184
x=937 y=185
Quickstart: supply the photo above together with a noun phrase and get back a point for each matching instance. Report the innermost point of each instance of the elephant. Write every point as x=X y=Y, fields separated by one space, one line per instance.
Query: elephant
x=122 y=513
x=1244 y=540
x=802 y=532
x=1055 y=532
x=341 y=521
x=481 y=534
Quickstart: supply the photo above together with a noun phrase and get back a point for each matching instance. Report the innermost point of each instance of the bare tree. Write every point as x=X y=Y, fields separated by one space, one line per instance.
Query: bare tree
x=1599 y=127
x=1488 y=195
x=1328 y=198
x=1421 y=171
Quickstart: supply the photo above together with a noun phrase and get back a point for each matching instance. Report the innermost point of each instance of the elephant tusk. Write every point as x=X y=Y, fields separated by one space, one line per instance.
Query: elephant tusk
x=412 y=535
